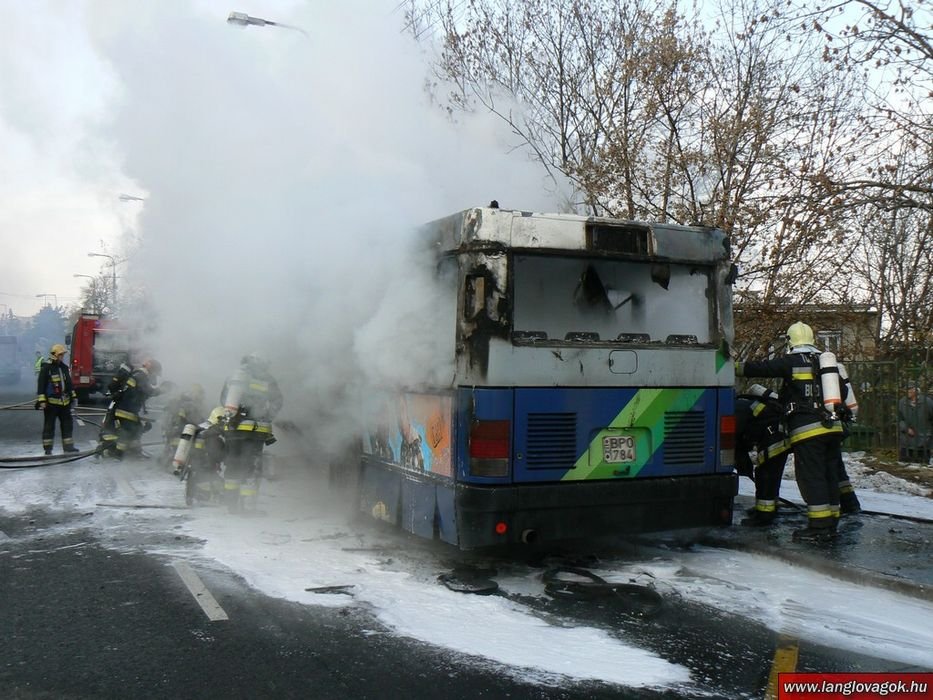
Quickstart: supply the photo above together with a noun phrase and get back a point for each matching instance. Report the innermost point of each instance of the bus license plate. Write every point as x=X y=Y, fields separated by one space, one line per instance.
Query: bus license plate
x=619 y=448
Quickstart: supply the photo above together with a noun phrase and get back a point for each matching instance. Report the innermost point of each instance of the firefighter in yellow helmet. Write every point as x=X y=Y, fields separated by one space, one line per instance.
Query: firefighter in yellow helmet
x=57 y=399
x=813 y=434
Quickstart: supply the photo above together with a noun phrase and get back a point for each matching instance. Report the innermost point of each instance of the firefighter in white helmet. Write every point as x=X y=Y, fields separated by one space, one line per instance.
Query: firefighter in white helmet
x=251 y=399
x=814 y=433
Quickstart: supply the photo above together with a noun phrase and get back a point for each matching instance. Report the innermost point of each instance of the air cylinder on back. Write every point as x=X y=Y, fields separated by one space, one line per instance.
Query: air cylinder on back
x=184 y=446
x=829 y=382
x=236 y=389
x=849 y=399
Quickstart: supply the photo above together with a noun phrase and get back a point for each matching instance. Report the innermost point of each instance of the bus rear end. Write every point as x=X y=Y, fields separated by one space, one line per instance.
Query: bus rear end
x=591 y=391
x=552 y=464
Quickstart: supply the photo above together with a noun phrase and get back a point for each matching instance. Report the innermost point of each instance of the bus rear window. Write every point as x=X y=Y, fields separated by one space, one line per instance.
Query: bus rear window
x=588 y=300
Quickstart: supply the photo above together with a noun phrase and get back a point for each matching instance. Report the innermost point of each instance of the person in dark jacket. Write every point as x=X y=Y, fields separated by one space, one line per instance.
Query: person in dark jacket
x=123 y=426
x=251 y=399
x=57 y=399
x=813 y=434
x=915 y=425
x=758 y=415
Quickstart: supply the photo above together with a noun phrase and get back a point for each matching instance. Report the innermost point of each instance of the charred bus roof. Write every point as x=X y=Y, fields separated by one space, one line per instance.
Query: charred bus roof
x=489 y=228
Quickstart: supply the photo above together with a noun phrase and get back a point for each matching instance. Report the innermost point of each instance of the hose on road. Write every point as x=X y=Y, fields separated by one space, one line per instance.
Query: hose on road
x=636 y=599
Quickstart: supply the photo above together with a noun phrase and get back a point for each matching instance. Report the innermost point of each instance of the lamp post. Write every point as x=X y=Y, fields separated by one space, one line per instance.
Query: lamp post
x=113 y=267
x=46 y=297
x=244 y=20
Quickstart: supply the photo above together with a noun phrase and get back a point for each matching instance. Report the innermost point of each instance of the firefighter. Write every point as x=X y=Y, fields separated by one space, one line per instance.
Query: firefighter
x=848 y=413
x=201 y=466
x=186 y=408
x=123 y=427
x=759 y=414
x=251 y=399
x=57 y=399
x=814 y=434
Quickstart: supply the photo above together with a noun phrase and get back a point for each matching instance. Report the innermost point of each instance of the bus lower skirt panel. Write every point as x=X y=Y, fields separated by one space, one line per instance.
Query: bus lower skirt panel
x=541 y=513
x=422 y=507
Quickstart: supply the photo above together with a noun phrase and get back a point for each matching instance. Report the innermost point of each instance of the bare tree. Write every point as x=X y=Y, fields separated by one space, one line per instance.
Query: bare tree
x=566 y=75
x=775 y=122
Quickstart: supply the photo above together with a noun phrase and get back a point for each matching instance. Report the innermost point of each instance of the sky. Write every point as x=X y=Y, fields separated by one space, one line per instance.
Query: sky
x=306 y=540
x=282 y=174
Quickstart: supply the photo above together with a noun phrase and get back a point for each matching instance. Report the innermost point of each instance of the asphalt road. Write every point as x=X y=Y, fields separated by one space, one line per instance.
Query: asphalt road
x=82 y=620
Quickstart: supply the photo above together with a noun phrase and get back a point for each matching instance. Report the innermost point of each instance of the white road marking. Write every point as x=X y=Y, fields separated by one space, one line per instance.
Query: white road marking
x=203 y=596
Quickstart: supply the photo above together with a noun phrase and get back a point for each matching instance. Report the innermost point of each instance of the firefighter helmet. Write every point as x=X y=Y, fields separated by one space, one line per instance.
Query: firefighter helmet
x=216 y=415
x=57 y=349
x=799 y=334
x=256 y=362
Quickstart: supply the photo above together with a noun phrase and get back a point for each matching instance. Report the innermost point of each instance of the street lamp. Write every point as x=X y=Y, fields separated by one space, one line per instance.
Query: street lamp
x=244 y=20
x=46 y=297
x=130 y=198
x=113 y=267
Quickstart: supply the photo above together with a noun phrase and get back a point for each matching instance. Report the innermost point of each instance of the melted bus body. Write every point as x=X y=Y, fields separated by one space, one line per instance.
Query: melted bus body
x=591 y=391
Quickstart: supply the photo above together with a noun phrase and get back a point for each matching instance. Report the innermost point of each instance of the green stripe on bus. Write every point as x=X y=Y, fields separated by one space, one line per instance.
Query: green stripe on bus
x=644 y=413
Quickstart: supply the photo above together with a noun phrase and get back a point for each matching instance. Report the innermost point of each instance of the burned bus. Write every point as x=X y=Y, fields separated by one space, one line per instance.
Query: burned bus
x=590 y=393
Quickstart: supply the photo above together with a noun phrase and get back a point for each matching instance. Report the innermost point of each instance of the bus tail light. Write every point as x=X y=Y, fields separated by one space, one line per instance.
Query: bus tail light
x=489 y=448
x=727 y=441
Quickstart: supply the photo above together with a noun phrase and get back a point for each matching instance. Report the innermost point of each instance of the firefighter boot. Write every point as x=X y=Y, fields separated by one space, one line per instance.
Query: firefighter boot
x=759 y=518
x=822 y=532
x=849 y=503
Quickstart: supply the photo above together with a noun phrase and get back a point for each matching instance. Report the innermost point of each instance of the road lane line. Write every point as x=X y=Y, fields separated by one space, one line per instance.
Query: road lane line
x=203 y=596
x=785 y=661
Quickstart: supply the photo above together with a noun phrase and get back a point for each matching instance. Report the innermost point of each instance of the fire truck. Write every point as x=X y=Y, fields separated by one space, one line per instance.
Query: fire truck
x=98 y=346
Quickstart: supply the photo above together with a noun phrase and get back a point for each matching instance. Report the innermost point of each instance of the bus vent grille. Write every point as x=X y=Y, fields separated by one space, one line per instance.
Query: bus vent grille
x=552 y=441
x=684 y=437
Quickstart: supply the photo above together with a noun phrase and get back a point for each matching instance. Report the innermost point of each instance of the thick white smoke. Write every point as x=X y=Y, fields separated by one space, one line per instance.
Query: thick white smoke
x=285 y=175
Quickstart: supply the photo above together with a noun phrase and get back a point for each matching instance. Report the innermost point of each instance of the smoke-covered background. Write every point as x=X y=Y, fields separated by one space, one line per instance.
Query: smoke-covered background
x=284 y=175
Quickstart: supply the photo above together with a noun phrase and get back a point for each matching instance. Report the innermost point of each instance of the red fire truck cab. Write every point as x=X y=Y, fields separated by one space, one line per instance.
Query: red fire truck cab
x=98 y=346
